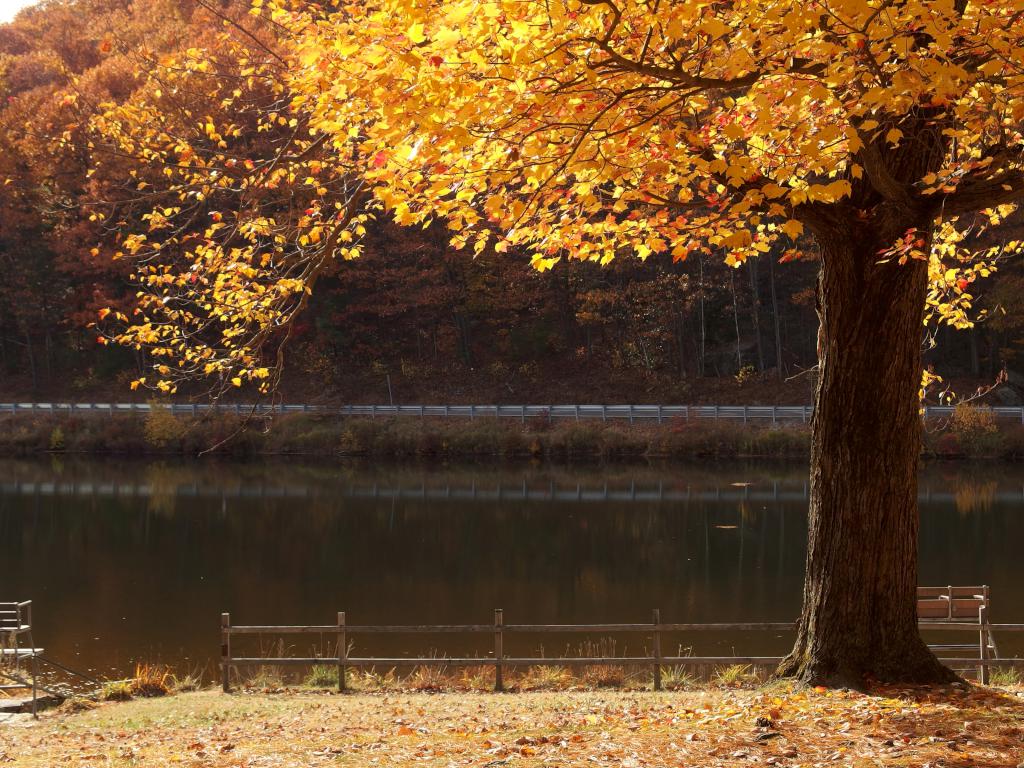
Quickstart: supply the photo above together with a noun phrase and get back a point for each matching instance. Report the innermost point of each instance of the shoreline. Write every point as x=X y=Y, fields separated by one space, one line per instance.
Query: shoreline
x=162 y=434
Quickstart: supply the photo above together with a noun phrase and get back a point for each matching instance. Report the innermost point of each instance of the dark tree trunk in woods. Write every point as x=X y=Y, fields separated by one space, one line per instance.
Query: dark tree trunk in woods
x=859 y=619
x=755 y=311
x=779 y=371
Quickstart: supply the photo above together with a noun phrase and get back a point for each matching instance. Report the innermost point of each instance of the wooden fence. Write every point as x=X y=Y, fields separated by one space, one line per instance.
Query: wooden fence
x=499 y=629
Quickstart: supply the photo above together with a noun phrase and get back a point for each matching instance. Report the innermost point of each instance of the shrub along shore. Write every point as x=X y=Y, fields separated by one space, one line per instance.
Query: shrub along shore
x=971 y=433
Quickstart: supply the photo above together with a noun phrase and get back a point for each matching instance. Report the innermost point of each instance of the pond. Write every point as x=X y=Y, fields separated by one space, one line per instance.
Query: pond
x=129 y=560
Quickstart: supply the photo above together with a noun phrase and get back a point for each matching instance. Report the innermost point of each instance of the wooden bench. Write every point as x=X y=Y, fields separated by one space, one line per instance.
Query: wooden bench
x=15 y=630
x=939 y=607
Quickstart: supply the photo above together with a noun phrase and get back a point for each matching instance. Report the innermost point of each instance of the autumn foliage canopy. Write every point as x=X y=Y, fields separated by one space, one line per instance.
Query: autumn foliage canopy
x=559 y=130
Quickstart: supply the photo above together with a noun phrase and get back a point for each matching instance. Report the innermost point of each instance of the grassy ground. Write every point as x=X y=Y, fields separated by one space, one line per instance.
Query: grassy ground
x=777 y=725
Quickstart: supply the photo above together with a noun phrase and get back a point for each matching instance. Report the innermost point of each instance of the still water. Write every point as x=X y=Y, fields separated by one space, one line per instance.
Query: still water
x=131 y=560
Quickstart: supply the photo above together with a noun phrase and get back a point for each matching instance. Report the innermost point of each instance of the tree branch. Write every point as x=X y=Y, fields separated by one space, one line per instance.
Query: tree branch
x=975 y=194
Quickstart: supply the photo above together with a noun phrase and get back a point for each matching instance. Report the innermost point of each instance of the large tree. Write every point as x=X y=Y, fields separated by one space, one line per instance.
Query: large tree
x=884 y=130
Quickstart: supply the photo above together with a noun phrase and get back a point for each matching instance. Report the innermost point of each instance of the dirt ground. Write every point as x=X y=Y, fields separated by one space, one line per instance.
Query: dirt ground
x=779 y=725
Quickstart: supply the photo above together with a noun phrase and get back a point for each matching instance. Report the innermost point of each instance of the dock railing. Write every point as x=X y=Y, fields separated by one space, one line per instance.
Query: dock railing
x=655 y=630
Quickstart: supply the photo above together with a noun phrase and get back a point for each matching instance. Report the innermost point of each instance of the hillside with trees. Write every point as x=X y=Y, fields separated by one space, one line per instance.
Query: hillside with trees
x=443 y=324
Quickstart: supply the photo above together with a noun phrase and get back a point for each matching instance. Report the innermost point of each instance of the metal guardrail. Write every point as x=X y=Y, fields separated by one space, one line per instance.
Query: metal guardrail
x=646 y=413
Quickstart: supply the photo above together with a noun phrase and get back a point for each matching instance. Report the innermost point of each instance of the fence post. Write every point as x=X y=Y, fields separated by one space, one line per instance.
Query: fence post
x=342 y=651
x=656 y=616
x=499 y=650
x=225 y=652
x=983 y=644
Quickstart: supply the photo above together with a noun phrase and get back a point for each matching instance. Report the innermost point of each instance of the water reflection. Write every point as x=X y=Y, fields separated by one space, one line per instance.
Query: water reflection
x=128 y=559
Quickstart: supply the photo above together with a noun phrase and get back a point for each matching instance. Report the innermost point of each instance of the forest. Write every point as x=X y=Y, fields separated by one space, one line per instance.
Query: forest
x=433 y=322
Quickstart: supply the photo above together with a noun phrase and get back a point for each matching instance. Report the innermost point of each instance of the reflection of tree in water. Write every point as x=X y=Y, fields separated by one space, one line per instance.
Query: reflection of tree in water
x=163 y=482
x=972 y=496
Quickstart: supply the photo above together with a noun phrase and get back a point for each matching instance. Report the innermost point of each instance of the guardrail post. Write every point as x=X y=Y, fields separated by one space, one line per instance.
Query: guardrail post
x=659 y=414
x=716 y=413
x=604 y=413
x=472 y=412
x=499 y=650
x=773 y=414
x=522 y=413
x=656 y=617
x=577 y=413
x=631 y=414
x=373 y=411
x=983 y=644
x=744 y=414
x=225 y=652
x=342 y=651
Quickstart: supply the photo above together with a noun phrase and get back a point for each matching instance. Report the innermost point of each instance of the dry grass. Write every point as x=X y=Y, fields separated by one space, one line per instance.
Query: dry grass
x=778 y=725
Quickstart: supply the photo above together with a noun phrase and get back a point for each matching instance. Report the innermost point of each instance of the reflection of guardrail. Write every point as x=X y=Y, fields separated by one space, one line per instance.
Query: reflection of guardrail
x=466 y=492
x=655 y=630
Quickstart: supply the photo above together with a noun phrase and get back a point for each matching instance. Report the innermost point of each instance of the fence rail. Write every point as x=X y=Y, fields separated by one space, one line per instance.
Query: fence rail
x=770 y=414
x=500 y=662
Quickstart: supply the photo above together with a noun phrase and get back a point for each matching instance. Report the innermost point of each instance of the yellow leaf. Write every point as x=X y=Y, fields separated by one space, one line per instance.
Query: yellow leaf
x=793 y=228
x=415 y=33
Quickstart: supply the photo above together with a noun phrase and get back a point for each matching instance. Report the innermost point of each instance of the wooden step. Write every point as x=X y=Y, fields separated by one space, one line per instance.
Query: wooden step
x=23 y=704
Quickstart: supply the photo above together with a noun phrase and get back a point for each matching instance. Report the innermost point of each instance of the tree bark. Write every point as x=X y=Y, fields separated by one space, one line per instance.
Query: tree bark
x=859 y=618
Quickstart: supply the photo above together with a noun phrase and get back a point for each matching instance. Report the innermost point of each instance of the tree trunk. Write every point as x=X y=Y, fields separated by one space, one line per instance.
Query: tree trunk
x=736 y=322
x=701 y=358
x=755 y=311
x=779 y=369
x=859 y=619
x=972 y=335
